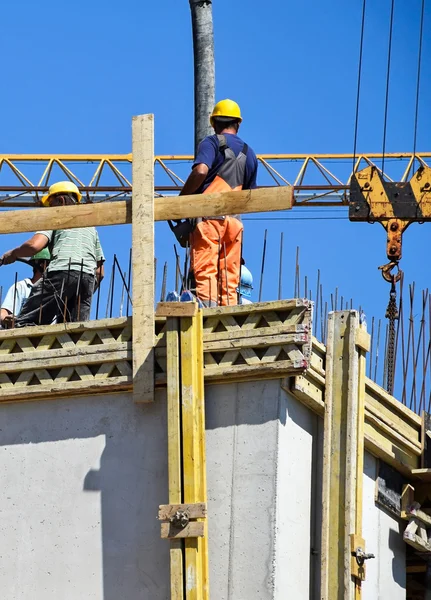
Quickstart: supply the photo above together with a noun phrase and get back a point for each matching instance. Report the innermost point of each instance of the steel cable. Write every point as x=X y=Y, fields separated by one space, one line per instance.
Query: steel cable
x=385 y=121
x=361 y=46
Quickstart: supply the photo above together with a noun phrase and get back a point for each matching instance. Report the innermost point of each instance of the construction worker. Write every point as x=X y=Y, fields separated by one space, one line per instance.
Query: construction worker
x=76 y=268
x=245 y=286
x=18 y=294
x=223 y=163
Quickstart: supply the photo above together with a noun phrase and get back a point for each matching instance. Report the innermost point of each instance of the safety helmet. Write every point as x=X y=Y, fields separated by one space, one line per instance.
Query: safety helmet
x=246 y=282
x=227 y=109
x=44 y=254
x=65 y=187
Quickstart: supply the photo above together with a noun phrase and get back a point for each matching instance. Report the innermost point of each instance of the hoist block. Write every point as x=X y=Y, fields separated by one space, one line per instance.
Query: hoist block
x=393 y=204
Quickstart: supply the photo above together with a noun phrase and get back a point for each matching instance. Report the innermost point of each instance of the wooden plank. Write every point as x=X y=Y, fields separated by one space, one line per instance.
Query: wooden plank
x=257 y=307
x=120 y=212
x=195 y=529
x=391 y=432
x=62 y=389
x=340 y=448
x=426 y=440
x=391 y=417
x=193 y=450
x=41 y=330
x=241 y=372
x=422 y=474
x=78 y=361
x=200 y=390
x=379 y=445
x=305 y=389
x=143 y=257
x=64 y=356
x=193 y=511
x=174 y=450
x=225 y=203
x=255 y=342
x=398 y=408
x=66 y=217
x=250 y=334
x=177 y=309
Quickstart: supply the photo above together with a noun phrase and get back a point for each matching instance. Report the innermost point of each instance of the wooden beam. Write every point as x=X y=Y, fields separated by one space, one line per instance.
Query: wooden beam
x=174 y=450
x=344 y=370
x=143 y=257
x=120 y=212
x=66 y=217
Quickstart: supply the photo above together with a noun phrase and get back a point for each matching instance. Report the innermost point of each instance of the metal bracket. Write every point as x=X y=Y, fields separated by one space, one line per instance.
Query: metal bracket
x=393 y=204
x=359 y=556
x=179 y=520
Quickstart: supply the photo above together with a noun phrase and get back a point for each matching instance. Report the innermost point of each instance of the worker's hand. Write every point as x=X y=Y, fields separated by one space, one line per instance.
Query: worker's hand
x=8 y=322
x=8 y=258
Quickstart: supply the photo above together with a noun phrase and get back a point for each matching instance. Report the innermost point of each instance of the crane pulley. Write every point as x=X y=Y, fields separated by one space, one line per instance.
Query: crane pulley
x=395 y=205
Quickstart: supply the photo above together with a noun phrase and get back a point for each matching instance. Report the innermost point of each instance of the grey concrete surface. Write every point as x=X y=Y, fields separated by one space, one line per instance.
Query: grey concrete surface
x=81 y=483
x=259 y=442
x=82 y=480
x=382 y=532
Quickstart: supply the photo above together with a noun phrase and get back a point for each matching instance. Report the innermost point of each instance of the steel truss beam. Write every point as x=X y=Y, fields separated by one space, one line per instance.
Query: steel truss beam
x=319 y=179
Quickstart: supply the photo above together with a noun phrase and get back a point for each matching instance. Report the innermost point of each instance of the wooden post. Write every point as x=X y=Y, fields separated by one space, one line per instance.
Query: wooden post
x=194 y=462
x=174 y=449
x=143 y=257
x=343 y=455
x=186 y=450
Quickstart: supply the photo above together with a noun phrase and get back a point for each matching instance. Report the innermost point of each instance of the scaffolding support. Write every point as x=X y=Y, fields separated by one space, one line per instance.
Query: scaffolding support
x=343 y=458
x=186 y=455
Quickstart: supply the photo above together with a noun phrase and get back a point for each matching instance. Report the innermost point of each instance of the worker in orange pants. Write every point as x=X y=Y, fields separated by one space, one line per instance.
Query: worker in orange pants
x=216 y=259
x=224 y=162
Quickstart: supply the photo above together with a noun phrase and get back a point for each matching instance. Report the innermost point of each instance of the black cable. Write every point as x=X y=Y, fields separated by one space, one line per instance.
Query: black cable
x=387 y=85
x=361 y=45
x=418 y=83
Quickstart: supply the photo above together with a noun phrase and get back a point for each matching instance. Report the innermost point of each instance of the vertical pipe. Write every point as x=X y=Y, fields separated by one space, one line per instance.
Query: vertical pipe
x=14 y=299
x=128 y=283
x=280 y=267
x=263 y=265
x=204 y=68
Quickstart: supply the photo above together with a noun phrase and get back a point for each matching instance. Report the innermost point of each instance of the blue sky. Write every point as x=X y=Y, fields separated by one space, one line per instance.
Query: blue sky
x=74 y=74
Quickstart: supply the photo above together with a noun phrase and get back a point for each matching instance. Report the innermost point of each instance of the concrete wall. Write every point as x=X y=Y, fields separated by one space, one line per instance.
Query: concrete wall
x=82 y=480
x=260 y=445
x=81 y=483
x=386 y=574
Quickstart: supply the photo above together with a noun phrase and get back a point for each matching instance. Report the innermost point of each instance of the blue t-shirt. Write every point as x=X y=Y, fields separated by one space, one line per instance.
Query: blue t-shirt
x=210 y=155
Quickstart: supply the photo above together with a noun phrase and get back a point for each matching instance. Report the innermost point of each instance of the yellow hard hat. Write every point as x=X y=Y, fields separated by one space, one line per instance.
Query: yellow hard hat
x=65 y=187
x=226 y=108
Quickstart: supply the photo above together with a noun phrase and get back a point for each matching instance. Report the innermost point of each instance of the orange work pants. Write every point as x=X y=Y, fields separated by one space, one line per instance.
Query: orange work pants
x=215 y=246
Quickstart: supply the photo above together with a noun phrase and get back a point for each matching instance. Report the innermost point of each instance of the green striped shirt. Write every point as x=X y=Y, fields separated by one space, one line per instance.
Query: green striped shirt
x=74 y=247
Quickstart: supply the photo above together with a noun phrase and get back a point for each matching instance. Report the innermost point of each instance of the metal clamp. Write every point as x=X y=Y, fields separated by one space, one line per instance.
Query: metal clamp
x=180 y=519
x=361 y=556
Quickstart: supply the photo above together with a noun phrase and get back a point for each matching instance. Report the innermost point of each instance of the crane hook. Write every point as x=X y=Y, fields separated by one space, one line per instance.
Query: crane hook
x=387 y=272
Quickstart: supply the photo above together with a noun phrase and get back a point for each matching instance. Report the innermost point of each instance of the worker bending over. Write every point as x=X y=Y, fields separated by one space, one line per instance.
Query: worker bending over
x=17 y=294
x=224 y=162
x=76 y=268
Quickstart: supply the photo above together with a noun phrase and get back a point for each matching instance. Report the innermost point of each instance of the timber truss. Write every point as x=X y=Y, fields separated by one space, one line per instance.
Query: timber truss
x=318 y=179
x=266 y=340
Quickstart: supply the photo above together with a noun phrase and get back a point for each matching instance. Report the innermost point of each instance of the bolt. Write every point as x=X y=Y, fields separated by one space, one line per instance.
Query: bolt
x=357 y=208
x=366 y=185
x=426 y=186
x=394 y=226
x=392 y=249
